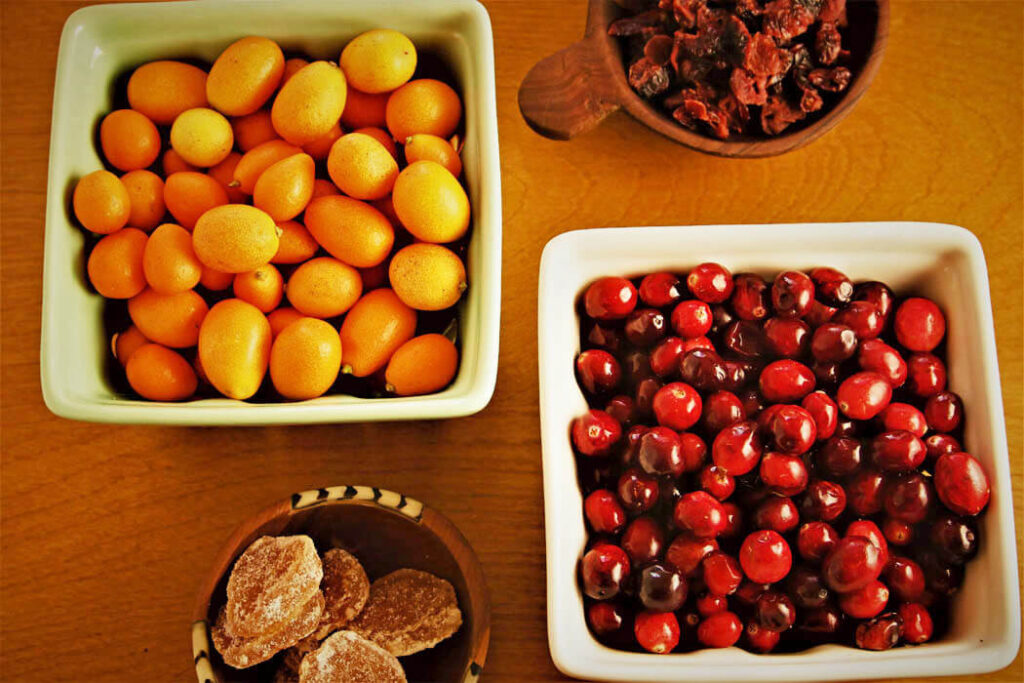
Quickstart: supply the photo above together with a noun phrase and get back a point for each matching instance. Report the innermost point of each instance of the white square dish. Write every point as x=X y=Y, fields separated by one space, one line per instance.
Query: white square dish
x=942 y=262
x=101 y=42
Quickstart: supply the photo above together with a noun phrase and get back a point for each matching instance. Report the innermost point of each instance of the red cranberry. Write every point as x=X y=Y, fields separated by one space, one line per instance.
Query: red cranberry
x=661 y=587
x=750 y=297
x=694 y=451
x=700 y=513
x=787 y=337
x=686 y=552
x=645 y=327
x=944 y=411
x=840 y=456
x=863 y=317
x=877 y=356
x=722 y=574
x=595 y=433
x=660 y=289
x=786 y=381
x=917 y=623
x=869 y=530
x=831 y=286
x=864 y=395
x=823 y=500
x=792 y=294
x=633 y=436
x=819 y=314
x=807 y=588
x=909 y=497
x=610 y=298
x=643 y=399
x=717 y=482
x=597 y=371
x=940 y=444
x=665 y=357
x=638 y=492
x=822 y=624
x=721 y=409
x=720 y=630
x=622 y=409
x=677 y=406
x=903 y=417
x=793 y=430
x=737 y=372
x=954 y=540
x=656 y=632
x=919 y=325
x=877 y=293
x=777 y=514
x=605 y=569
x=759 y=638
x=703 y=369
x=865 y=489
x=905 y=578
x=961 y=483
x=691 y=319
x=606 y=619
x=720 y=318
x=775 y=611
x=710 y=603
x=785 y=475
x=607 y=338
x=926 y=374
x=765 y=556
x=815 y=540
x=733 y=520
x=660 y=452
x=897 y=451
x=604 y=512
x=865 y=602
x=737 y=448
x=748 y=593
x=833 y=343
x=880 y=633
x=643 y=540
x=824 y=411
x=710 y=282
x=853 y=563
x=744 y=338
x=697 y=343
x=898 y=532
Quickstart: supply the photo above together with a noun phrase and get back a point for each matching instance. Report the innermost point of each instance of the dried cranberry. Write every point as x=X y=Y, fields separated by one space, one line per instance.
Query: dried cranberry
x=722 y=573
x=691 y=319
x=643 y=540
x=686 y=552
x=604 y=512
x=917 y=623
x=765 y=556
x=823 y=500
x=721 y=409
x=622 y=408
x=792 y=294
x=710 y=282
x=787 y=337
x=919 y=324
x=700 y=513
x=604 y=569
x=961 y=483
x=853 y=563
x=905 y=578
x=880 y=633
x=737 y=448
x=833 y=343
x=831 y=286
x=863 y=317
x=909 y=497
x=840 y=456
x=717 y=482
x=645 y=327
x=944 y=411
x=785 y=475
x=786 y=381
x=750 y=297
x=815 y=540
x=744 y=338
x=720 y=630
x=656 y=632
x=598 y=371
x=863 y=395
x=777 y=514
x=638 y=492
x=660 y=289
x=661 y=587
x=865 y=602
x=905 y=417
x=677 y=406
x=610 y=298
x=595 y=433
x=865 y=489
x=660 y=452
x=926 y=374
x=824 y=411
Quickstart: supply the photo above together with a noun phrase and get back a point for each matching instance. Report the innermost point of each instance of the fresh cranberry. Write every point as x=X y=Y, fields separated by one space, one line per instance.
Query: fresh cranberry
x=853 y=563
x=745 y=339
x=775 y=611
x=877 y=356
x=827 y=375
x=633 y=436
x=703 y=369
x=807 y=589
x=748 y=593
x=595 y=433
x=919 y=325
x=897 y=451
x=660 y=289
x=865 y=602
x=848 y=427
x=909 y=497
x=926 y=374
x=720 y=630
x=840 y=456
x=636 y=367
x=638 y=492
x=710 y=282
x=906 y=578
x=831 y=286
x=865 y=490
x=610 y=298
x=880 y=633
x=677 y=406
x=961 y=483
x=604 y=512
x=598 y=371
x=700 y=513
x=944 y=411
x=940 y=444
x=869 y=530
x=917 y=623
x=605 y=569
x=721 y=409
x=942 y=579
x=833 y=343
x=686 y=552
x=760 y=639
x=661 y=587
x=898 y=532
x=656 y=632
x=777 y=514
x=955 y=540
x=645 y=327
x=765 y=556
x=819 y=314
x=815 y=540
x=622 y=408
x=753 y=403
x=606 y=619
x=877 y=293
x=643 y=398
x=783 y=474
x=787 y=337
x=721 y=316
x=665 y=357
x=722 y=574
x=693 y=450
x=733 y=520
x=697 y=343
x=862 y=317
x=864 y=395
x=824 y=411
x=750 y=297
x=660 y=452
x=824 y=500
x=737 y=373
x=786 y=381
x=607 y=338
x=737 y=448
x=711 y=603
x=643 y=540
x=717 y=482
x=903 y=417
x=793 y=430
x=691 y=319
x=821 y=624
x=792 y=294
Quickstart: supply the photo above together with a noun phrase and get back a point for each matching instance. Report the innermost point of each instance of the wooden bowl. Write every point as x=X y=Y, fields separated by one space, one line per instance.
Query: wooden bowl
x=386 y=531
x=572 y=91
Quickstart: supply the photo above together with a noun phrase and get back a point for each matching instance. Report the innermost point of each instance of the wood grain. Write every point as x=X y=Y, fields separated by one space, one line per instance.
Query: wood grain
x=108 y=530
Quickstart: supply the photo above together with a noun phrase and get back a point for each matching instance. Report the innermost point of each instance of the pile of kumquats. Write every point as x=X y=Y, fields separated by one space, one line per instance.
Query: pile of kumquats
x=285 y=217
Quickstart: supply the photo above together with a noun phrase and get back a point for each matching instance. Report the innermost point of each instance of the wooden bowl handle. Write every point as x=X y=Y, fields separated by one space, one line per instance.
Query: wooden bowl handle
x=569 y=92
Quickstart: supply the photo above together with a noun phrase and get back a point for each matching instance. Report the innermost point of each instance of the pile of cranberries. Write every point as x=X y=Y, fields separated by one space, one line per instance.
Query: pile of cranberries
x=772 y=465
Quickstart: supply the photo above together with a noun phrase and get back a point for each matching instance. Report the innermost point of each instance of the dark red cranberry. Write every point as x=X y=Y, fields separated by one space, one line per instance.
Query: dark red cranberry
x=906 y=578
x=722 y=573
x=720 y=318
x=847 y=427
x=597 y=371
x=750 y=297
x=806 y=588
x=622 y=408
x=785 y=475
x=737 y=448
x=955 y=540
x=595 y=433
x=659 y=290
x=917 y=623
x=607 y=338
x=638 y=492
x=686 y=552
x=865 y=490
x=661 y=587
x=765 y=556
x=775 y=611
x=697 y=343
x=793 y=430
x=863 y=395
x=926 y=374
x=660 y=452
x=677 y=406
x=823 y=500
x=961 y=483
x=665 y=357
x=869 y=530
x=733 y=520
x=821 y=624
x=643 y=540
x=737 y=373
x=787 y=337
x=604 y=512
x=721 y=409
x=877 y=356
x=819 y=314
x=944 y=411
x=607 y=619
x=898 y=532
x=703 y=369
x=840 y=456
x=877 y=293
x=610 y=298
x=694 y=451
x=760 y=639
x=636 y=367
x=633 y=436
x=853 y=563
x=643 y=398
x=815 y=540
x=942 y=579
x=824 y=411
x=748 y=593
x=710 y=282
x=827 y=374
x=863 y=317
x=720 y=630
x=700 y=513
x=903 y=417
x=897 y=451
x=691 y=319
x=792 y=294
x=865 y=602
x=777 y=514
x=831 y=286
x=710 y=603
x=604 y=569
x=833 y=343
x=645 y=327
x=717 y=482
x=919 y=324
x=744 y=338
x=786 y=381
x=940 y=444
x=656 y=632
x=752 y=402
x=880 y=633
x=909 y=497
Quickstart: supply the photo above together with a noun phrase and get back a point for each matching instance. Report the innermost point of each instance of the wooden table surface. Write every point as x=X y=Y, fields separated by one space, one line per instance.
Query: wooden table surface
x=107 y=529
